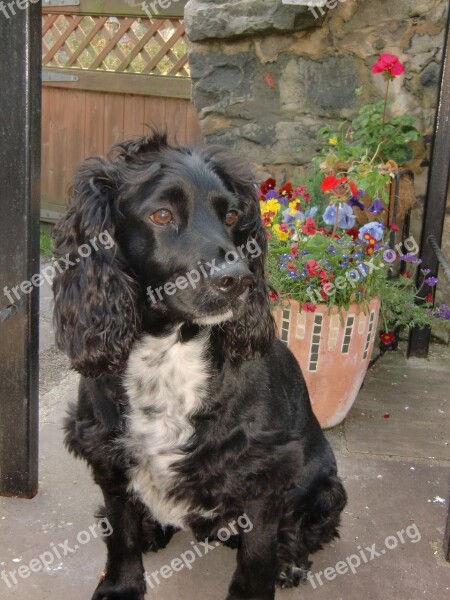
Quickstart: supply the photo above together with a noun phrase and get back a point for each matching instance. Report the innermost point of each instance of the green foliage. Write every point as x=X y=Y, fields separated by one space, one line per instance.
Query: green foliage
x=46 y=244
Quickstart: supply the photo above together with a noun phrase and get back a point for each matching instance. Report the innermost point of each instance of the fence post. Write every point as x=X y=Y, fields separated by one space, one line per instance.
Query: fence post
x=436 y=200
x=20 y=100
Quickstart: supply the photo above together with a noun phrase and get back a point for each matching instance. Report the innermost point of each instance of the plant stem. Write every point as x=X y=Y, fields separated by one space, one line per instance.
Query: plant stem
x=336 y=220
x=385 y=103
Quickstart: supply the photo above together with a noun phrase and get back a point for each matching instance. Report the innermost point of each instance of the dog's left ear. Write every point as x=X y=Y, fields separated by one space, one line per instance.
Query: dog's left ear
x=252 y=335
x=96 y=317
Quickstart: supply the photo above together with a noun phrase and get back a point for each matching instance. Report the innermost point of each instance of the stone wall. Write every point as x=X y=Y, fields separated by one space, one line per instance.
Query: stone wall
x=266 y=76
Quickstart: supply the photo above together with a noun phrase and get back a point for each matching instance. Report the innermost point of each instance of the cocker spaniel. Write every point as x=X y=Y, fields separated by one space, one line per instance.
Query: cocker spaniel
x=190 y=413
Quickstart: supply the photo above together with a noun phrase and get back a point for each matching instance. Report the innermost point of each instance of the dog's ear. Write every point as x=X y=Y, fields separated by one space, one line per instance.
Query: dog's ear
x=95 y=315
x=252 y=335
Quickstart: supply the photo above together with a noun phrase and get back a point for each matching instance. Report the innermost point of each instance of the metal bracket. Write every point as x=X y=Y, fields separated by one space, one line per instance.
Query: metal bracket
x=55 y=76
x=53 y=3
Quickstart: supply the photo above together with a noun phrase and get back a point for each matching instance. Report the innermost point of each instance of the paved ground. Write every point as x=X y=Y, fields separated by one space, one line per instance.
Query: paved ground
x=393 y=453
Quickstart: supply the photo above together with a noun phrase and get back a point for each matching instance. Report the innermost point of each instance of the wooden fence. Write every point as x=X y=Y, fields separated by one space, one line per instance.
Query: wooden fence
x=107 y=77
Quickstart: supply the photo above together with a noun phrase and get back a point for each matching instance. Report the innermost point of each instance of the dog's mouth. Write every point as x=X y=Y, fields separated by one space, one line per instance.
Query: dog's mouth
x=225 y=313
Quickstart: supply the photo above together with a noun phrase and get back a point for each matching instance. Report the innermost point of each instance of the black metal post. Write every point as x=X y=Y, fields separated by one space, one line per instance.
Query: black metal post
x=20 y=122
x=436 y=200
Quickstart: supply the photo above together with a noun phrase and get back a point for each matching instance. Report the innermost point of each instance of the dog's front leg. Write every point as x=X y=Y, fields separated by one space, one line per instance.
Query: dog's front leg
x=256 y=570
x=124 y=577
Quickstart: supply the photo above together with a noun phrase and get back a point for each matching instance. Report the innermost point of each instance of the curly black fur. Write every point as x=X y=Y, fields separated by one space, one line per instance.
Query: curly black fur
x=256 y=447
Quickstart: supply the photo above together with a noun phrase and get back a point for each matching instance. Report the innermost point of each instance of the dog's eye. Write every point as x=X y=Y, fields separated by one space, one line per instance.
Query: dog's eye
x=231 y=217
x=161 y=217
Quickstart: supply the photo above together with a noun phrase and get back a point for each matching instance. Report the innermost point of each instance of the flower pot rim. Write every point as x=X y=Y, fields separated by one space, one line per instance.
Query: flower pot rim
x=322 y=307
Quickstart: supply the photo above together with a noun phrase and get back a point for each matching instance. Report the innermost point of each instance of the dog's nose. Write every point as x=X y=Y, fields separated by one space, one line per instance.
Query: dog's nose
x=233 y=279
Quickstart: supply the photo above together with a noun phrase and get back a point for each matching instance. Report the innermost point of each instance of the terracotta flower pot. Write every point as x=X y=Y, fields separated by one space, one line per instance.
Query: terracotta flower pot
x=333 y=350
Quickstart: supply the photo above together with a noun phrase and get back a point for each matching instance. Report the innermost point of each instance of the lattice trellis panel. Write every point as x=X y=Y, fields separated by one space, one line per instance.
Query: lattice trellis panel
x=119 y=44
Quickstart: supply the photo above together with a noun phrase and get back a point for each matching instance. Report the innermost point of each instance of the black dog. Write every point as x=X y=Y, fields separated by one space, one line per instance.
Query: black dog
x=190 y=414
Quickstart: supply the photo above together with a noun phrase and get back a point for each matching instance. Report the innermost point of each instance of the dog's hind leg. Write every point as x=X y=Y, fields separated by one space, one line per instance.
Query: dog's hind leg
x=311 y=519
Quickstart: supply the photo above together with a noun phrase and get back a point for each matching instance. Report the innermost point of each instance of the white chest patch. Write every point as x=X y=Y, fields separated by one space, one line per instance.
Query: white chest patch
x=166 y=382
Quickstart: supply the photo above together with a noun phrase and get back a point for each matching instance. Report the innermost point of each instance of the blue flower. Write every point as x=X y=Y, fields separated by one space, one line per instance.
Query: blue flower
x=346 y=218
x=293 y=274
x=272 y=194
x=311 y=212
x=288 y=218
x=374 y=229
x=332 y=250
x=329 y=216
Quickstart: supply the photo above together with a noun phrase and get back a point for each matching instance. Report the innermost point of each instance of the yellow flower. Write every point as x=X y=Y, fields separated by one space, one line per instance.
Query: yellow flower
x=282 y=235
x=294 y=206
x=273 y=205
x=333 y=141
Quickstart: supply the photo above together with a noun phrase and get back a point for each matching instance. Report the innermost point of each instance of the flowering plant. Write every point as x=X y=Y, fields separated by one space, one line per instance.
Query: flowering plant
x=318 y=254
x=371 y=149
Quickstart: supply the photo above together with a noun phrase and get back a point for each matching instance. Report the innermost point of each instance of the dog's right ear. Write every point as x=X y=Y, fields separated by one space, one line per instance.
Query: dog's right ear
x=95 y=315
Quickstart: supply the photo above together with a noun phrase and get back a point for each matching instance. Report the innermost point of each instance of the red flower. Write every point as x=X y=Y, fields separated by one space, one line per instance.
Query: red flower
x=370 y=250
x=406 y=275
x=429 y=298
x=309 y=307
x=274 y=296
x=353 y=233
x=329 y=183
x=388 y=63
x=323 y=230
x=292 y=267
x=268 y=184
x=309 y=227
x=353 y=188
x=286 y=190
x=283 y=227
x=312 y=267
x=394 y=227
x=307 y=197
x=387 y=338
x=294 y=250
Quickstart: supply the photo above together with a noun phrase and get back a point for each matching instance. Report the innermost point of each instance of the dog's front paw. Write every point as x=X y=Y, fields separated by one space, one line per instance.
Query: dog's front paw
x=291 y=576
x=107 y=592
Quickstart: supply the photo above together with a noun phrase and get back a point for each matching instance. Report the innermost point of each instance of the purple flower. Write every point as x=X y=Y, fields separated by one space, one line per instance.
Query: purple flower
x=354 y=201
x=432 y=281
x=443 y=312
x=272 y=194
x=377 y=207
x=425 y=271
x=412 y=258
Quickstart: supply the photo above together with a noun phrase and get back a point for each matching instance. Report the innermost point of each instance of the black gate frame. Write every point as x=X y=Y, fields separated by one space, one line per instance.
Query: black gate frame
x=20 y=101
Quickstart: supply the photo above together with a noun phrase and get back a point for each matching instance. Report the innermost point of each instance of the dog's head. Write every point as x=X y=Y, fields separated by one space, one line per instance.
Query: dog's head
x=168 y=235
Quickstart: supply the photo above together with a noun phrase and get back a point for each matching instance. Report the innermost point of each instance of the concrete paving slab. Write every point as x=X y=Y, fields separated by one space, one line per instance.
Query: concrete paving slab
x=392 y=528
x=403 y=409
